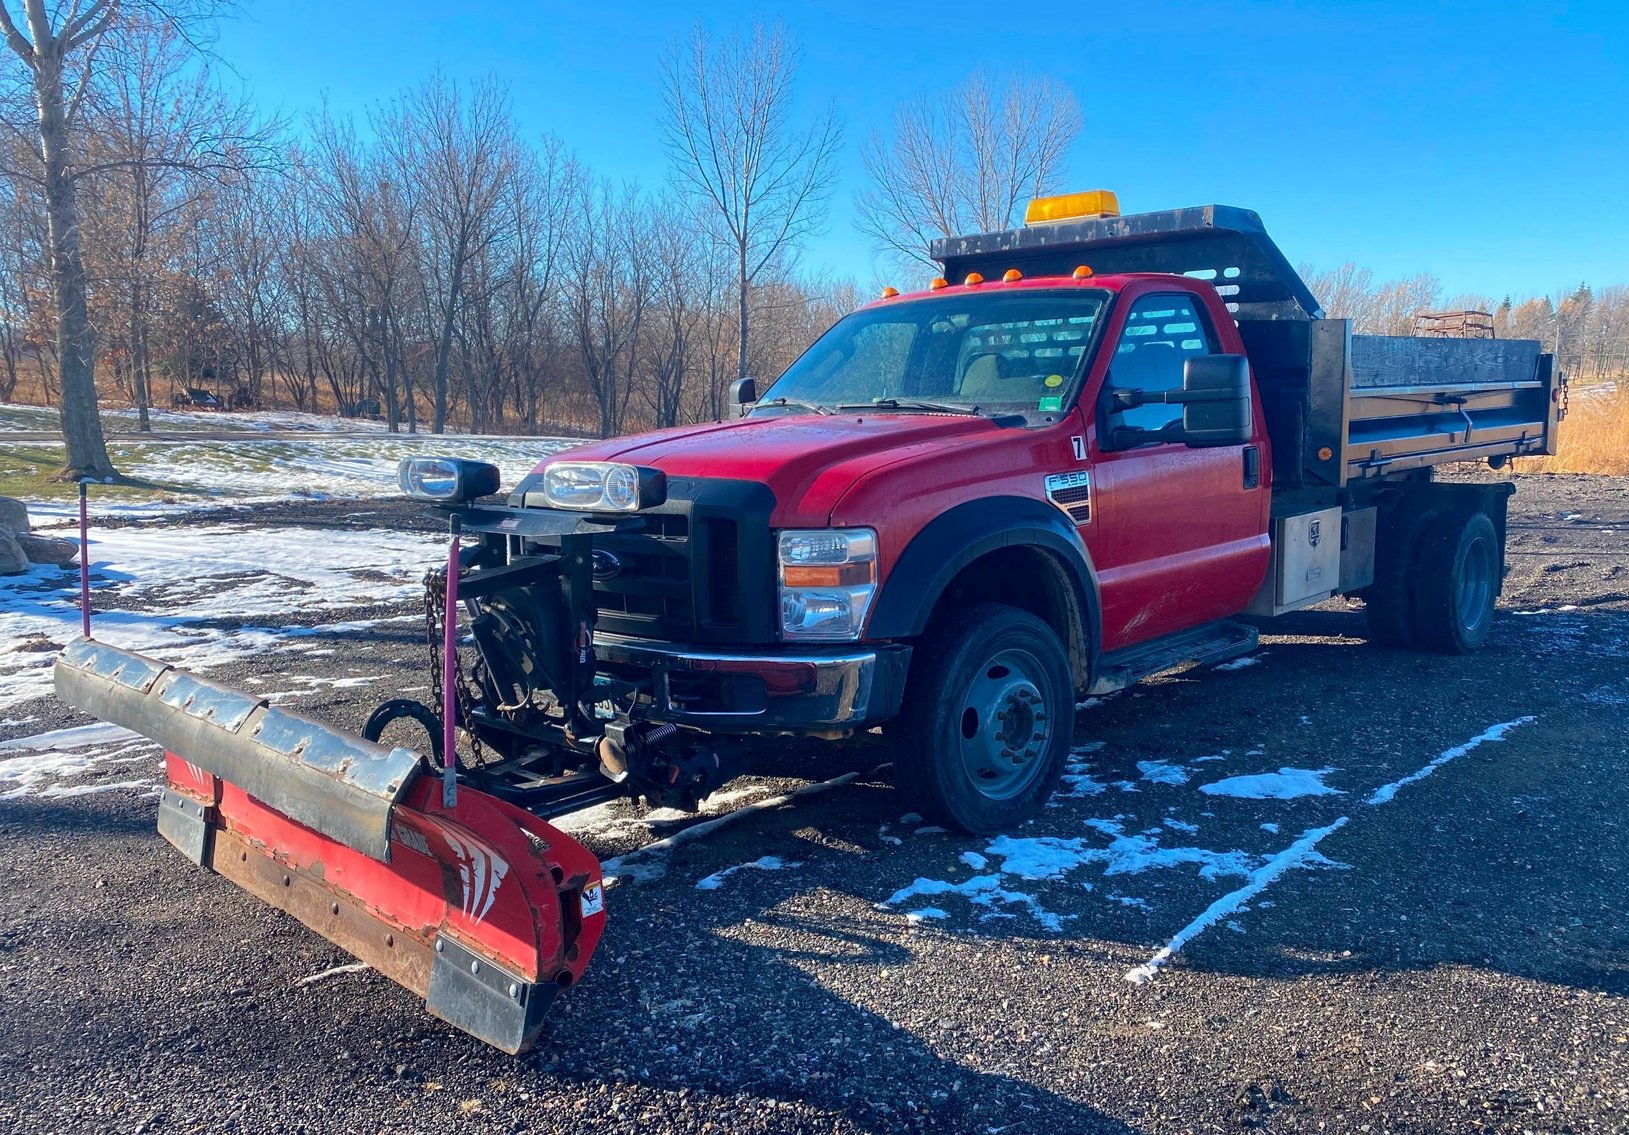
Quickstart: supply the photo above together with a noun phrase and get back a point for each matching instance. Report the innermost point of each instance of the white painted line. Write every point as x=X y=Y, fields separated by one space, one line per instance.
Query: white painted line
x=1292 y=856
x=1493 y=733
x=1298 y=852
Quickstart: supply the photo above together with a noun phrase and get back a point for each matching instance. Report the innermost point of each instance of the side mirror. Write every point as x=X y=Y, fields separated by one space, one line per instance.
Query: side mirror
x=1216 y=402
x=743 y=393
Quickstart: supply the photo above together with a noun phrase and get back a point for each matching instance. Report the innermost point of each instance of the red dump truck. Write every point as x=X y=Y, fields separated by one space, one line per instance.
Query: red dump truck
x=1082 y=456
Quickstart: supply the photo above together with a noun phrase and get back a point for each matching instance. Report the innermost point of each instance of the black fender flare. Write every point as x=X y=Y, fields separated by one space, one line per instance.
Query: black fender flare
x=956 y=538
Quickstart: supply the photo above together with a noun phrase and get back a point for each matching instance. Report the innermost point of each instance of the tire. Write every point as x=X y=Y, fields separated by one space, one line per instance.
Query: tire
x=1458 y=583
x=987 y=721
x=1390 y=599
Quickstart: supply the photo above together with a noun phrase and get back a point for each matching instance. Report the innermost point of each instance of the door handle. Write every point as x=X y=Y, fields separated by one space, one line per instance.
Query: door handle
x=1252 y=467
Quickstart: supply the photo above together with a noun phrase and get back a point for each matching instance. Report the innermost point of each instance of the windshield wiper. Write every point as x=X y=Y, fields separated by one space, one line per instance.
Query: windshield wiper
x=795 y=404
x=911 y=404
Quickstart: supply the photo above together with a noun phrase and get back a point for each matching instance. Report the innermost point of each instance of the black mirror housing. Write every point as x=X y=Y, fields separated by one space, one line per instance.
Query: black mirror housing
x=1216 y=405
x=743 y=393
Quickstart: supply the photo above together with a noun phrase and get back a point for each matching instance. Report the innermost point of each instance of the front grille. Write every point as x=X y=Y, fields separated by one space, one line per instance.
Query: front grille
x=723 y=573
x=699 y=568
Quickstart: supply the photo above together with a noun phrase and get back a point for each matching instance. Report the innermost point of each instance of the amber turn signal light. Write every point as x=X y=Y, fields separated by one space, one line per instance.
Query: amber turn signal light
x=826 y=575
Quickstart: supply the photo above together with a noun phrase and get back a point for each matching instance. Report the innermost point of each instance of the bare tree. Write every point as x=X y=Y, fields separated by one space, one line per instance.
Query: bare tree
x=964 y=160
x=59 y=52
x=761 y=179
x=457 y=154
x=607 y=291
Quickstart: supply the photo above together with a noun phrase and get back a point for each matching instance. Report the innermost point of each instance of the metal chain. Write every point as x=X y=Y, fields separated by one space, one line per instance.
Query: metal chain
x=435 y=607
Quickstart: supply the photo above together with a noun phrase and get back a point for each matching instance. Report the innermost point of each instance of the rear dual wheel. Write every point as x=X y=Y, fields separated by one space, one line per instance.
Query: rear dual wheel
x=1437 y=577
x=987 y=720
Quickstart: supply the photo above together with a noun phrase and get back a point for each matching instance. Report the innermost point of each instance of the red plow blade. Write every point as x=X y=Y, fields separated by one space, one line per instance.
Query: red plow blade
x=481 y=908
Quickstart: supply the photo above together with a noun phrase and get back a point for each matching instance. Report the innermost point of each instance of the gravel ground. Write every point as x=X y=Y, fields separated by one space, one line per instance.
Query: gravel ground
x=1455 y=959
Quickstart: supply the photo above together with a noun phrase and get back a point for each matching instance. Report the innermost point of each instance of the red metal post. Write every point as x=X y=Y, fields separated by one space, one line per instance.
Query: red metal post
x=84 y=562
x=449 y=670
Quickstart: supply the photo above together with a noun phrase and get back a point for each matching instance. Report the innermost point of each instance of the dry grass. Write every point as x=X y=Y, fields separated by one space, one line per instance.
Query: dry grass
x=1594 y=438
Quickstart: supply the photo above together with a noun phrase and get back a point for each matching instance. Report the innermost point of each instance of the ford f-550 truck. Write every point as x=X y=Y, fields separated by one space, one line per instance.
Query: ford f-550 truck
x=1082 y=462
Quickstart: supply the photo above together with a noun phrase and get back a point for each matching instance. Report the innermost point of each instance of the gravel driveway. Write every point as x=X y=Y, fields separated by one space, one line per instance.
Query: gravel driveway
x=1399 y=884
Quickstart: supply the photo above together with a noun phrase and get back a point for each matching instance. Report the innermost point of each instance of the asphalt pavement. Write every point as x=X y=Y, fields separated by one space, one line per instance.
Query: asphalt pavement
x=1399 y=885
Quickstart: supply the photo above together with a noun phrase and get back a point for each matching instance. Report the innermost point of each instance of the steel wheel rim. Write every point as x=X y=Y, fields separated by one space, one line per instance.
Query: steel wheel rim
x=1475 y=584
x=1004 y=725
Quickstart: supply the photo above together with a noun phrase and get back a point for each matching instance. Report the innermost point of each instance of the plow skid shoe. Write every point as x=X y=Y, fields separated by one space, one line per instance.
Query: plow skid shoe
x=482 y=909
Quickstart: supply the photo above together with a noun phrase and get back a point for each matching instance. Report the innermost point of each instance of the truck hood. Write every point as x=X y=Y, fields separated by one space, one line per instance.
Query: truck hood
x=808 y=460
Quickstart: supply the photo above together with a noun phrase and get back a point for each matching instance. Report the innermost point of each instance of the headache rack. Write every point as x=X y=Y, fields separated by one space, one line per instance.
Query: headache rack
x=1339 y=406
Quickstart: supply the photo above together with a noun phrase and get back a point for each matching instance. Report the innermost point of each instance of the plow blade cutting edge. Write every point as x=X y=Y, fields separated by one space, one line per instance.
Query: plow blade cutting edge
x=481 y=908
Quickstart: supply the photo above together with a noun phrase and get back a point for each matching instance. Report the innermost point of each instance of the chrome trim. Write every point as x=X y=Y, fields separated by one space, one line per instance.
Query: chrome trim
x=842 y=688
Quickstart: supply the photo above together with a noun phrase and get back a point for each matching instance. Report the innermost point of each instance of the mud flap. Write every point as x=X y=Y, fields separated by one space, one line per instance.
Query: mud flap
x=482 y=909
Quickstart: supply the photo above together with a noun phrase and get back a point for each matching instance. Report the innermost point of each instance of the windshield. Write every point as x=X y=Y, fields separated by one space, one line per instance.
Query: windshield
x=999 y=353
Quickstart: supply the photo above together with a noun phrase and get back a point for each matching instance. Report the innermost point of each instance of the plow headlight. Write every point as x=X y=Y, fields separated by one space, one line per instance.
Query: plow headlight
x=446 y=479
x=828 y=577
x=603 y=486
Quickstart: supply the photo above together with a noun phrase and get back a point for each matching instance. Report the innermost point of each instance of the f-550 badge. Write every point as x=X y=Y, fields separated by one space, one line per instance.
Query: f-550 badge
x=1071 y=492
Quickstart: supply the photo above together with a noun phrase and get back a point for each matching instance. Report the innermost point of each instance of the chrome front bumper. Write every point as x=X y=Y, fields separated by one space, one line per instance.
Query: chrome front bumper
x=796 y=691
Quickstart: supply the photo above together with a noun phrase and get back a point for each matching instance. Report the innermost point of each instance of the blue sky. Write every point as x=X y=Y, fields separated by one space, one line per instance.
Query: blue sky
x=1486 y=142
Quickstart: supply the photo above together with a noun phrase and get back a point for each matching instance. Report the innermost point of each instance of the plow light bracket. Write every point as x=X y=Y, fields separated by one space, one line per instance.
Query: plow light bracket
x=446 y=480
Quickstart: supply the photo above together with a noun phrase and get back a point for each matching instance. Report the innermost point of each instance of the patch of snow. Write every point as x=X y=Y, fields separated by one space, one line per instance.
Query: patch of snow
x=187 y=591
x=1180 y=825
x=983 y=891
x=925 y=913
x=102 y=733
x=1163 y=772
x=974 y=860
x=1270 y=829
x=930 y=829
x=1493 y=733
x=1131 y=901
x=1285 y=784
x=1239 y=663
x=762 y=863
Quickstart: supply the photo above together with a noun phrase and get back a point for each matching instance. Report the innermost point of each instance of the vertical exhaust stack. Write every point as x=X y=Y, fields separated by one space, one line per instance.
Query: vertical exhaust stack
x=484 y=910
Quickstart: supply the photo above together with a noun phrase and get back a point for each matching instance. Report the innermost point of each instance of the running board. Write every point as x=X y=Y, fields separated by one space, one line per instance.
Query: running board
x=1206 y=645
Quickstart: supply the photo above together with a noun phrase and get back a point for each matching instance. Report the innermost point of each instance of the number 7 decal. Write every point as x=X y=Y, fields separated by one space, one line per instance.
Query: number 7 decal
x=1080 y=447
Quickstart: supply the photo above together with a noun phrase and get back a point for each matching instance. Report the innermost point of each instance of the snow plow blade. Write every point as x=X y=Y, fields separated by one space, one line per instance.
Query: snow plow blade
x=481 y=908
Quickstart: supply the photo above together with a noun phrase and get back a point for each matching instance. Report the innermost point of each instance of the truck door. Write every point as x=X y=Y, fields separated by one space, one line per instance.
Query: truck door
x=1184 y=530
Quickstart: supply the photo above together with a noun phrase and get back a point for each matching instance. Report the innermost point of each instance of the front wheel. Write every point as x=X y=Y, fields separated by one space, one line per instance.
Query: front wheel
x=987 y=720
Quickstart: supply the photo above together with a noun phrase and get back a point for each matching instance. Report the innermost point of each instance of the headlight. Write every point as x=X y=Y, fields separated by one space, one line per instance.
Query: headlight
x=828 y=578
x=448 y=480
x=601 y=486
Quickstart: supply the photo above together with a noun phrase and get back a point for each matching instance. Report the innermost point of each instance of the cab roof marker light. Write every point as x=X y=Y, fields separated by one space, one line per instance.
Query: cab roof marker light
x=1072 y=207
x=1084 y=272
x=1011 y=276
x=890 y=292
x=973 y=280
x=939 y=282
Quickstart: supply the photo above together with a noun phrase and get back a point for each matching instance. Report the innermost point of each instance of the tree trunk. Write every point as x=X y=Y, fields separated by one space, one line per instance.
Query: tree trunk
x=741 y=295
x=138 y=360
x=81 y=424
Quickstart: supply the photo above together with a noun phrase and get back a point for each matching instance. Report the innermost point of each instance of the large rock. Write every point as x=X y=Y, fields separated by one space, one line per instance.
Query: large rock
x=13 y=515
x=48 y=549
x=12 y=560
